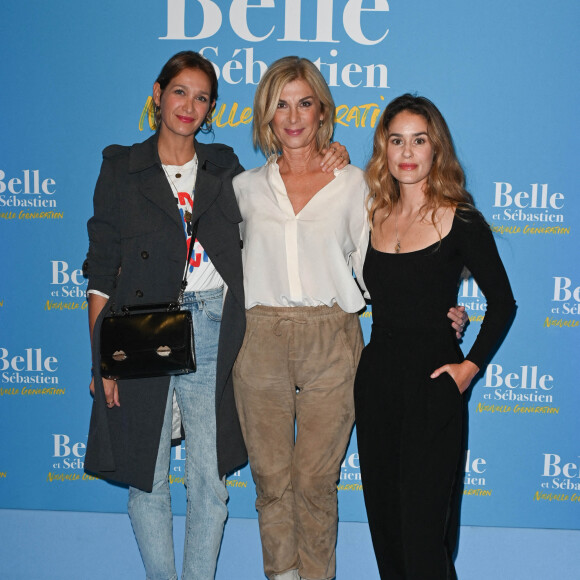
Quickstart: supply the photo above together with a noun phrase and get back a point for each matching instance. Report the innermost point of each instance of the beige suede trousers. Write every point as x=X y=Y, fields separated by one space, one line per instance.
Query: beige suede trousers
x=293 y=382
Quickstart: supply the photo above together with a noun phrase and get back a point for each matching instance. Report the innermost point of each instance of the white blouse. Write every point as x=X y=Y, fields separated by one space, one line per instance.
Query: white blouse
x=305 y=259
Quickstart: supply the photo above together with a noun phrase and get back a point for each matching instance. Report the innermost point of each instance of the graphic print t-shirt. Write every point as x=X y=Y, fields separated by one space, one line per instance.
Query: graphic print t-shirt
x=201 y=274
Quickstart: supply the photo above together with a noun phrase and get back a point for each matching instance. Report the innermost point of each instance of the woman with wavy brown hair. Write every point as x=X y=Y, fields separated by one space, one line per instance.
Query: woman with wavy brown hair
x=408 y=391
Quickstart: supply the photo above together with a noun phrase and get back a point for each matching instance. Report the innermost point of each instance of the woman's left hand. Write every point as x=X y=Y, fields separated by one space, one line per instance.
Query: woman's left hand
x=459 y=320
x=335 y=157
x=461 y=373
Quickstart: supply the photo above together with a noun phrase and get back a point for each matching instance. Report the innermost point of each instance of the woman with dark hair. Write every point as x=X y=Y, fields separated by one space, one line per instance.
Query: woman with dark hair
x=139 y=239
x=411 y=377
x=146 y=199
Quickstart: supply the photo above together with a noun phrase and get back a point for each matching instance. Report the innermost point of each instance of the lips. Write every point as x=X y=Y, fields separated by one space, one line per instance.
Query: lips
x=185 y=119
x=293 y=132
x=407 y=166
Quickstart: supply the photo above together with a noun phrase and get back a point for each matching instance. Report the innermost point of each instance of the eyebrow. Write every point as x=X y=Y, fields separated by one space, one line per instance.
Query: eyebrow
x=414 y=134
x=300 y=100
x=185 y=87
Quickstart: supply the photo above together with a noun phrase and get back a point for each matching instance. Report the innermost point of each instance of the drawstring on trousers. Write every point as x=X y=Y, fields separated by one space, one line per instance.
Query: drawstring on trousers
x=276 y=326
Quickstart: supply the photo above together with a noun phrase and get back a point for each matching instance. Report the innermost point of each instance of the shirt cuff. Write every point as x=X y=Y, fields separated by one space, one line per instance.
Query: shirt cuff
x=98 y=293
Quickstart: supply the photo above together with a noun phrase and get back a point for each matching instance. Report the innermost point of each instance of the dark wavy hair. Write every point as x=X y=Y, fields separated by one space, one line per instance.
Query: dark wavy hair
x=445 y=186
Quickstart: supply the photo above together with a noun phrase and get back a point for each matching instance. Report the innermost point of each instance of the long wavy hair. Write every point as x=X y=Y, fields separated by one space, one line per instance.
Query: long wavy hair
x=445 y=186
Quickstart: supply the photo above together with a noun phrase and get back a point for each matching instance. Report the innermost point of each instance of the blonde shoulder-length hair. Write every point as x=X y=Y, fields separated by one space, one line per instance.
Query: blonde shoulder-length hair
x=445 y=186
x=278 y=75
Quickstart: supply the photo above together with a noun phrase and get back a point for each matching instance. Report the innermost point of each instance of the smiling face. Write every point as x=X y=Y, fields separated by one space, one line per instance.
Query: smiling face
x=297 y=116
x=409 y=149
x=185 y=103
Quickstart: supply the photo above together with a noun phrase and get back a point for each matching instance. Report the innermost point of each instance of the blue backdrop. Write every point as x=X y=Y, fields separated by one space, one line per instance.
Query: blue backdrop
x=77 y=77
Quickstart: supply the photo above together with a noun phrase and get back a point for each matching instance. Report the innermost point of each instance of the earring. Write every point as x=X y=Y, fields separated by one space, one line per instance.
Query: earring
x=154 y=116
x=320 y=123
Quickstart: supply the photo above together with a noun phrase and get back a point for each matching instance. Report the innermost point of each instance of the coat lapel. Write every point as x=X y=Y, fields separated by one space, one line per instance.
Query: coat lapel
x=155 y=187
x=144 y=159
x=207 y=185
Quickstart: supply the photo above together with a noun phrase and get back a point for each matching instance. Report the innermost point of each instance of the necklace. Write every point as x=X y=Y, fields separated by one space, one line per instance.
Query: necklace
x=398 y=243
x=179 y=168
x=187 y=214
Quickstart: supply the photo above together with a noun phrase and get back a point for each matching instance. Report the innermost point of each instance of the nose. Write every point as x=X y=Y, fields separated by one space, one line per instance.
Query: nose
x=188 y=104
x=292 y=115
x=407 y=150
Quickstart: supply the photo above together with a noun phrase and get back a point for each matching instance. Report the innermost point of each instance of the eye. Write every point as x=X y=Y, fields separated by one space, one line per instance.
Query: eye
x=396 y=141
x=281 y=105
x=179 y=92
x=202 y=99
x=306 y=103
x=420 y=140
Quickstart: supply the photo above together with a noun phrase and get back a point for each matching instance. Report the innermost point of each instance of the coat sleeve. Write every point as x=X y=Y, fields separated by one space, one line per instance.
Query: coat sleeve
x=104 y=255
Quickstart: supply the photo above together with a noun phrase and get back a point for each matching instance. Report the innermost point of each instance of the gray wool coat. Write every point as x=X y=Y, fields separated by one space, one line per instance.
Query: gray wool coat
x=137 y=255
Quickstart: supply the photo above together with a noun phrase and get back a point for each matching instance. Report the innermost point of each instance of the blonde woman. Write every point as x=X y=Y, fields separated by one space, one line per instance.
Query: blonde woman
x=304 y=232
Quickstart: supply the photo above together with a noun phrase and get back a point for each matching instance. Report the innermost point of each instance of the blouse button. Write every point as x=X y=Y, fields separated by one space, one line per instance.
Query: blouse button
x=139 y=294
x=144 y=254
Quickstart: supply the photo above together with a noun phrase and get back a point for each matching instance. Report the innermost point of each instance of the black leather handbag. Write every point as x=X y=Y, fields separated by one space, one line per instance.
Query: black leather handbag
x=146 y=341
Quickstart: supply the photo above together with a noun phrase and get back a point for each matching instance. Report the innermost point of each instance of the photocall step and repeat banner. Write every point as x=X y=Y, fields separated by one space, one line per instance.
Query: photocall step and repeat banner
x=77 y=77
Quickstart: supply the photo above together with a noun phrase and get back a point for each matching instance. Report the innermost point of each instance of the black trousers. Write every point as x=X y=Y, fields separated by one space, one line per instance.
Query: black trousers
x=409 y=431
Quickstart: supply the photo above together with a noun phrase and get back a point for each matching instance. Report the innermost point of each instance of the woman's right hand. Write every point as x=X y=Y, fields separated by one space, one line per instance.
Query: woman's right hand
x=96 y=304
x=111 y=392
x=462 y=373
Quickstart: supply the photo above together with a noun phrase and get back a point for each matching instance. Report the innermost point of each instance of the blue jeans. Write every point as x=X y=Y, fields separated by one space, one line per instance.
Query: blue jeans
x=150 y=513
